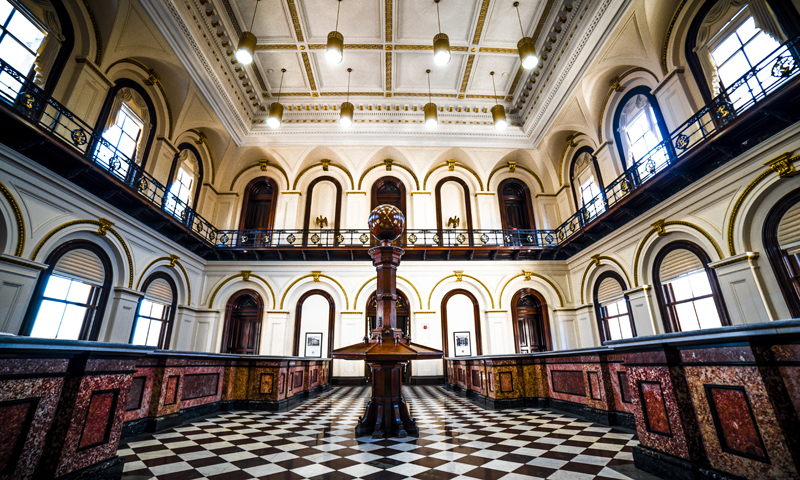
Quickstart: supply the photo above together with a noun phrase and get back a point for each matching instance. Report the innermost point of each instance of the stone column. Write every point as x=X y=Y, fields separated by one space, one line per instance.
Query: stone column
x=643 y=309
x=206 y=335
x=275 y=338
x=498 y=323
x=564 y=333
x=739 y=285
x=120 y=320
x=18 y=279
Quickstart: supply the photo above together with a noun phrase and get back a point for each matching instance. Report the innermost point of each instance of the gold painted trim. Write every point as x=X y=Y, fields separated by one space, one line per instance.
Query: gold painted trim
x=485 y=193
x=98 y=56
x=521 y=167
x=20 y=220
x=424 y=312
x=157 y=83
x=467 y=72
x=286 y=291
x=202 y=139
x=420 y=193
x=419 y=297
x=309 y=72
x=611 y=90
x=669 y=34
x=460 y=275
x=90 y=222
x=295 y=20
x=481 y=20
x=661 y=226
x=570 y=143
x=734 y=261
x=537 y=275
x=185 y=276
x=257 y=164
x=598 y=264
x=242 y=274
x=388 y=85
x=303 y=171
x=445 y=164
x=355 y=192
x=383 y=164
x=388 y=13
x=496 y=311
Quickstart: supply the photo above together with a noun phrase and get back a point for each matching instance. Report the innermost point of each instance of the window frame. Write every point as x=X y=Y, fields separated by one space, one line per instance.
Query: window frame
x=35 y=22
x=669 y=316
x=198 y=175
x=656 y=109
x=165 y=336
x=91 y=326
x=602 y=320
x=577 y=196
x=776 y=255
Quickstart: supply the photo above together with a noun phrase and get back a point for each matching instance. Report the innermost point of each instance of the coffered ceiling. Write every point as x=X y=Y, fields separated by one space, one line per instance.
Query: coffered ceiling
x=388 y=44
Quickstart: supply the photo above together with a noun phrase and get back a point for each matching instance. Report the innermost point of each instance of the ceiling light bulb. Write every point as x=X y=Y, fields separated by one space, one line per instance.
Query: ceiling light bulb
x=441 y=49
x=346 y=115
x=246 y=48
x=527 y=53
x=335 y=51
x=431 y=116
x=499 y=117
x=275 y=115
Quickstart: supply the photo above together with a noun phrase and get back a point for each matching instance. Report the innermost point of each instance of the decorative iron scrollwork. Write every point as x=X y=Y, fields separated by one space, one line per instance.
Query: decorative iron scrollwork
x=461 y=238
x=339 y=239
x=211 y=236
x=549 y=238
x=199 y=227
x=651 y=166
x=143 y=185
x=561 y=235
x=364 y=238
x=572 y=226
x=508 y=238
x=224 y=238
x=529 y=238
x=436 y=238
x=625 y=185
x=291 y=239
x=412 y=238
x=244 y=238
x=682 y=142
x=78 y=136
x=114 y=163
x=184 y=214
x=784 y=66
x=315 y=239
x=484 y=238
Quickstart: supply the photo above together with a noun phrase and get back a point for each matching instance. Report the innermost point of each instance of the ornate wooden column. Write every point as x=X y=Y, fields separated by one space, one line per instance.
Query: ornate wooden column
x=387 y=349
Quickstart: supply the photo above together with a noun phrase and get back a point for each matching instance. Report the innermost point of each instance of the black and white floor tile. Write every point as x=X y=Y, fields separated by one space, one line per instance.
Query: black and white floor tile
x=457 y=441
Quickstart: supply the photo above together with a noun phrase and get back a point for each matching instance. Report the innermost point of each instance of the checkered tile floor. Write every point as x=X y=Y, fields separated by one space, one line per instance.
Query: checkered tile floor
x=317 y=440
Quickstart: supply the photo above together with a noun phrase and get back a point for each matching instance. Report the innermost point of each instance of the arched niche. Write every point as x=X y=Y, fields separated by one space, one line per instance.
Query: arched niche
x=323 y=209
x=320 y=315
x=458 y=305
x=453 y=207
x=531 y=324
x=243 y=318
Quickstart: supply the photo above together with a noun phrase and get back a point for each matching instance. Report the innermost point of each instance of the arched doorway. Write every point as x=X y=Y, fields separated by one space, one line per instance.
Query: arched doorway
x=243 y=314
x=403 y=323
x=258 y=205
x=516 y=211
x=460 y=313
x=320 y=314
x=531 y=323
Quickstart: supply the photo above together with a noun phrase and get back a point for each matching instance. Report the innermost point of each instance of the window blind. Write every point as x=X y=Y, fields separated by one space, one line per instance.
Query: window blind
x=609 y=288
x=789 y=227
x=160 y=290
x=679 y=262
x=83 y=264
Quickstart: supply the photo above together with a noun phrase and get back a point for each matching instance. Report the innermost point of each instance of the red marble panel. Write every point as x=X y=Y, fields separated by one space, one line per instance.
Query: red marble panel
x=32 y=366
x=282 y=383
x=200 y=385
x=568 y=381
x=624 y=388
x=654 y=408
x=594 y=385
x=266 y=382
x=297 y=380
x=735 y=423
x=506 y=382
x=476 y=380
x=148 y=373
x=791 y=377
x=736 y=354
x=99 y=419
x=15 y=419
x=171 y=396
x=491 y=382
x=135 y=394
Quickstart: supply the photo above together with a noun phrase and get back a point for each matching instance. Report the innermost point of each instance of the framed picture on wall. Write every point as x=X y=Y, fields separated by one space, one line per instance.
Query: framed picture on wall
x=313 y=345
x=461 y=342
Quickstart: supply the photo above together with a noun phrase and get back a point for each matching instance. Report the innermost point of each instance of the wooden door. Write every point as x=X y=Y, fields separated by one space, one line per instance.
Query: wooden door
x=243 y=323
x=259 y=203
x=403 y=323
x=531 y=330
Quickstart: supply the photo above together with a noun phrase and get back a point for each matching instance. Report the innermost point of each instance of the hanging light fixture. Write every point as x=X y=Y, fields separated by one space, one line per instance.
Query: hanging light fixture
x=441 y=43
x=346 y=112
x=276 y=109
x=498 y=111
x=335 y=51
x=431 y=116
x=527 y=51
x=247 y=43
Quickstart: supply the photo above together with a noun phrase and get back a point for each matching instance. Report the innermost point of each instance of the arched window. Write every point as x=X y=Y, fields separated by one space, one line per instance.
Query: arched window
x=516 y=209
x=128 y=122
x=243 y=314
x=154 y=318
x=323 y=209
x=612 y=308
x=460 y=316
x=453 y=211
x=639 y=129
x=688 y=292
x=530 y=322
x=71 y=295
x=729 y=37
x=22 y=36
x=389 y=191
x=258 y=207
x=313 y=324
x=587 y=185
x=782 y=243
x=185 y=179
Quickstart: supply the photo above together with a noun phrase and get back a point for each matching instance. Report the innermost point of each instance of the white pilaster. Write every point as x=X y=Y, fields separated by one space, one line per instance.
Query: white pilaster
x=205 y=334
x=643 y=309
x=565 y=329
x=496 y=338
x=738 y=282
x=182 y=328
x=587 y=327
x=120 y=315
x=18 y=279
x=426 y=329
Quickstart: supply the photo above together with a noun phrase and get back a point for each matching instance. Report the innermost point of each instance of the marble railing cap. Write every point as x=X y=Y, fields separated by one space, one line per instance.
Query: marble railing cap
x=555 y=353
x=780 y=329
x=35 y=347
x=228 y=356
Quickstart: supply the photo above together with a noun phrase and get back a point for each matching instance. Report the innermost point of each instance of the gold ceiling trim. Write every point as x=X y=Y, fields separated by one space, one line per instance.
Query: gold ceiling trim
x=669 y=34
x=280 y=46
x=440 y=95
x=513 y=51
x=548 y=6
x=310 y=74
x=388 y=71
x=427 y=47
x=533 y=274
x=260 y=79
x=467 y=71
x=352 y=94
x=481 y=20
x=349 y=46
x=388 y=21
x=229 y=10
x=295 y=20
x=388 y=163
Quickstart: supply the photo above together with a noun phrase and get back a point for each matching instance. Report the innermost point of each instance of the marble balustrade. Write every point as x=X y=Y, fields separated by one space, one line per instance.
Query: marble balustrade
x=65 y=405
x=719 y=403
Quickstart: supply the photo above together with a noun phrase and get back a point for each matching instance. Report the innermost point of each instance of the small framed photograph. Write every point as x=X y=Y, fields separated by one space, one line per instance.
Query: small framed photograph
x=313 y=345
x=461 y=341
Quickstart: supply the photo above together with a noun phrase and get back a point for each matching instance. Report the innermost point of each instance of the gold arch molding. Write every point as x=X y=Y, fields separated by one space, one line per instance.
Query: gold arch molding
x=671 y=26
x=430 y=295
x=596 y=262
x=452 y=164
x=618 y=88
x=20 y=248
x=355 y=300
x=388 y=163
x=660 y=228
x=264 y=169
x=323 y=164
x=103 y=227
x=321 y=275
x=180 y=265
x=570 y=143
x=242 y=274
x=203 y=140
x=537 y=275
x=150 y=73
x=511 y=167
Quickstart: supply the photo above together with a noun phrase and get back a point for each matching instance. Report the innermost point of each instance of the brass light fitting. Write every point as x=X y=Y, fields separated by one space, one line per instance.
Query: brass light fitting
x=527 y=51
x=335 y=48
x=246 y=48
x=276 y=109
x=346 y=110
x=431 y=116
x=498 y=111
x=441 y=43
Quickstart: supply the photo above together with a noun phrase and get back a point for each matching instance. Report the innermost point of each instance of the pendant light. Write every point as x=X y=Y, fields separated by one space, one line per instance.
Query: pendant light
x=247 y=43
x=498 y=111
x=431 y=116
x=276 y=109
x=335 y=51
x=527 y=52
x=346 y=112
x=441 y=43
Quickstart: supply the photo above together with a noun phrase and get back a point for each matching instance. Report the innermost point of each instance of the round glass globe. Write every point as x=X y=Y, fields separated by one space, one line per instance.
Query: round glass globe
x=333 y=55
x=530 y=62
x=273 y=122
x=442 y=57
x=244 y=57
x=345 y=121
x=500 y=124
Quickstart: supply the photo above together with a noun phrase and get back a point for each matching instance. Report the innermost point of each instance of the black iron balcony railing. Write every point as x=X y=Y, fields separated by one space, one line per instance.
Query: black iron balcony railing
x=757 y=85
